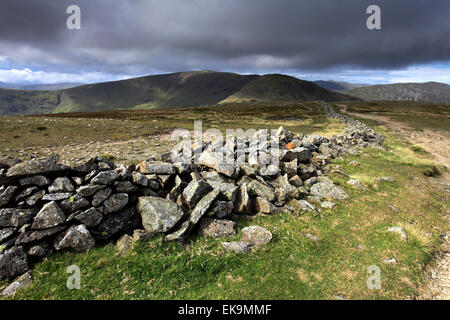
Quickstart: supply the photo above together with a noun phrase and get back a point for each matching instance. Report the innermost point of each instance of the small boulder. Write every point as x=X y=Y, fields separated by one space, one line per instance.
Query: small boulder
x=115 y=203
x=76 y=237
x=237 y=247
x=49 y=216
x=158 y=215
x=256 y=235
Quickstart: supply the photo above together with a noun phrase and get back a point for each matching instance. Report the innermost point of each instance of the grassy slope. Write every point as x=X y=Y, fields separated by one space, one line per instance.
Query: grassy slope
x=186 y=89
x=292 y=266
x=275 y=87
x=426 y=92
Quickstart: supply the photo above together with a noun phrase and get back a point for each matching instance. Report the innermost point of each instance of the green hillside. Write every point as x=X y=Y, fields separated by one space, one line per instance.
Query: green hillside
x=176 y=90
x=417 y=92
x=277 y=87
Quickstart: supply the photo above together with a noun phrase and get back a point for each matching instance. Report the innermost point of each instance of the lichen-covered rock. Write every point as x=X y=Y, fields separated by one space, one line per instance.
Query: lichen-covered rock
x=90 y=217
x=35 y=198
x=116 y=203
x=7 y=195
x=222 y=209
x=324 y=190
x=302 y=205
x=101 y=195
x=74 y=203
x=195 y=191
x=76 y=237
x=180 y=233
x=125 y=244
x=60 y=185
x=36 y=235
x=158 y=215
x=217 y=228
x=202 y=207
x=115 y=223
x=327 y=205
x=139 y=179
x=15 y=218
x=237 y=247
x=89 y=190
x=56 y=196
x=209 y=160
x=13 y=262
x=156 y=167
x=34 y=167
x=39 y=181
x=19 y=283
x=243 y=201
x=49 y=216
x=256 y=235
x=264 y=206
x=259 y=189
x=105 y=177
x=227 y=191
x=6 y=233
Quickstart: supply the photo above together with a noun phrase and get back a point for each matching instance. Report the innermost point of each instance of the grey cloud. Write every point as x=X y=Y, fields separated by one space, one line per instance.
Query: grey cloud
x=139 y=36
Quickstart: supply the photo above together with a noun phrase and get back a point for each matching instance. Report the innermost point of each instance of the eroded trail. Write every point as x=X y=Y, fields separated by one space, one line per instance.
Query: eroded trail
x=434 y=142
x=438 y=144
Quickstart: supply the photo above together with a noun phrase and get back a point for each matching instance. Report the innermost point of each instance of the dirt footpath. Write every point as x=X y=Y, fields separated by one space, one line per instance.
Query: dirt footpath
x=438 y=144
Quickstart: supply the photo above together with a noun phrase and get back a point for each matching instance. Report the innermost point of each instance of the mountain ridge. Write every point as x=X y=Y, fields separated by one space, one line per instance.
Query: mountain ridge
x=173 y=90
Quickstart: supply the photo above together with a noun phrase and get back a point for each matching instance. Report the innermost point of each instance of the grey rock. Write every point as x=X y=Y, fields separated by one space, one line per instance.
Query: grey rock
x=61 y=184
x=6 y=233
x=25 y=193
x=39 y=181
x=32 y=236
x=40 y=250
x=35 y=198
x=256 y=235
x=105 y=177
x=139 y=179
x=217 y=228
x=124 y=245
x=237 y=247
x=328 y=191
x=78 y=181
x=19 y=283
x=90 y=217
x=156 y=167
x=115 y=203
x=195 y=191
x=303 y=205
x=158 y=215
x=34 y=167
x=101 y=195
x=56 y=196
x=180 y=233
x=259 y=189
x=243 y=201
x=13 y=262
x=227 y=191
x=222 y=209
x=202 y=207
x=125 y=186
x=89 y=190
x=296 y=181
x=15 y=218
x=264 y=206
x=49 y=216
x=115 y=223
x=207 y=159
x=142 y=235
x=7 y=195
x=76 y=237
x=290 y=168
x=74 y=203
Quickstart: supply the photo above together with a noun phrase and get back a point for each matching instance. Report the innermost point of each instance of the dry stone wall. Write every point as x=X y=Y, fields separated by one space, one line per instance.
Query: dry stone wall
x=46 y=206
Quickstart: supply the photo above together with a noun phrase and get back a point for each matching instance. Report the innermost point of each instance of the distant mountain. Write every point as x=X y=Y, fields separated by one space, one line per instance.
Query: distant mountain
x=420 y=92
x=183 y=89
x=278 y=87
x=338 y=85
x=39 y=87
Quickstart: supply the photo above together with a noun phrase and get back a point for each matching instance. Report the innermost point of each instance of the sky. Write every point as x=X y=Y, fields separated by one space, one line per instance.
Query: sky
x=309 y=39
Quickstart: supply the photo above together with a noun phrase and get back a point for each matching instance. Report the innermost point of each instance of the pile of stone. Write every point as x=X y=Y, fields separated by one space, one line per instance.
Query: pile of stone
x=46 y=206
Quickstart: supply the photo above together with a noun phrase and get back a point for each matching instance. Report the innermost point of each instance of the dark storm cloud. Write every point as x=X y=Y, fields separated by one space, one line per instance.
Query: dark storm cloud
x=138 y=36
